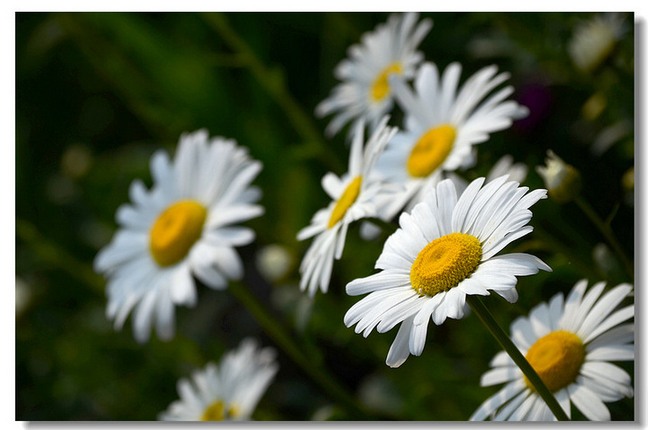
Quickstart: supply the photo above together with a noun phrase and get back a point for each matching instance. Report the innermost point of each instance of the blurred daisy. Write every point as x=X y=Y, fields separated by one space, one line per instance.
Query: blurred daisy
x=353 y=197
x=184 y=225
x=364 y=92
x=443 y=251
x=441 y=128
x=570 y=344
x=504 y=166
x=226 y=393
x=594 y=40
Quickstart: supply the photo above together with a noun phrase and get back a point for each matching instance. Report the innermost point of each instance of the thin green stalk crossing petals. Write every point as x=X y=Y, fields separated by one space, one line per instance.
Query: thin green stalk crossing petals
x=487 y=319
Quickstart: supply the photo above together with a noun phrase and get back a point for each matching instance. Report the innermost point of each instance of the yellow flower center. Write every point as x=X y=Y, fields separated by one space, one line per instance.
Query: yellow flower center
x=175 y=231
x=445 y=262
x=431 y=150
x=217 y=411
x=557 y=358
x=343 y=204
x=380 y=87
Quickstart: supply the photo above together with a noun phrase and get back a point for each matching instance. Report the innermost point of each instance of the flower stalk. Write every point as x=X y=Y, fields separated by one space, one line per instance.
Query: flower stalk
x=502 y=338
x=607 y=233
x=286 y=343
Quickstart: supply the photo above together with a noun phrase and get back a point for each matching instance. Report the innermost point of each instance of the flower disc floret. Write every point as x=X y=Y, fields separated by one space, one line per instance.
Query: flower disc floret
x=445 y=262
x=175 y=231
x=557 y=358
x=380 y=88
x=345 y=201
x=431 y=150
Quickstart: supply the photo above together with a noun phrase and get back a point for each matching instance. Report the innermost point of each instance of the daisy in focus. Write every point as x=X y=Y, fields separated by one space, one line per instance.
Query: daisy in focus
x=445 y=249
x=365 y=93
x=570 y=344
x=185 y=225
x=442 y=125
x=353 y=197
x=229 y=391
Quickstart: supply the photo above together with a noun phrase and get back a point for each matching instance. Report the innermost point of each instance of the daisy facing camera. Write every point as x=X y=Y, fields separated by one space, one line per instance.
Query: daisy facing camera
x=186 y=225
x=444 y=250
x=570 y=343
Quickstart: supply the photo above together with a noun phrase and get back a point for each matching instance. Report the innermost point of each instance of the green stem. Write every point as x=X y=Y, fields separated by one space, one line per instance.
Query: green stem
x=607 y=233
x=502 y=338
x=272 y=81
x=286 y=342
x=58 y=257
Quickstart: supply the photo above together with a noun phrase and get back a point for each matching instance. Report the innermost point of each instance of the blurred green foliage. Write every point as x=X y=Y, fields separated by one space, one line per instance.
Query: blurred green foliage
x=98 y=93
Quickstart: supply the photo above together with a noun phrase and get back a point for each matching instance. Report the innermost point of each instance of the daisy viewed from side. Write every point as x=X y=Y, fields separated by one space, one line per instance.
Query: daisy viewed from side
x=365 y=93
x=442 y=125
x=185 y=225
x=353 y=197
x=445 y=249
x=229 y=391
x=570 y=344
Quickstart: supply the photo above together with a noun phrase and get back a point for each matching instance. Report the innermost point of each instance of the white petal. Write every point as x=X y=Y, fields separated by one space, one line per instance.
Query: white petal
x=602 y=309
x=498 y=399
x=588 y=403
x=612 y=353
x=376 y=282
x=613 y=320
x=399 y=349
x=143 y=318
x=504 y=413
x=500 y=375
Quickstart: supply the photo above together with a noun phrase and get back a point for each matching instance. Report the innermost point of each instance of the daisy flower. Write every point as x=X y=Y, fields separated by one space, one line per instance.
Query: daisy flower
x=570 y=344
x=184 y=225
x=353 y=197
x=364 y=92
x=228 y=392
x=504 y=166
x=444 y=250
x=593 y=41
x=442 y=124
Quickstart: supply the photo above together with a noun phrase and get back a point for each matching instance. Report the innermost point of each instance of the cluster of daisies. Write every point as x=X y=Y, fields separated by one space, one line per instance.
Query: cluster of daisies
x=448 y=244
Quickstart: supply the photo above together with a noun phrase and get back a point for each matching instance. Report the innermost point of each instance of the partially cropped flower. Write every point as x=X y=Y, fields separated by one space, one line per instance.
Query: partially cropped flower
x=365 y=93
x=445 y=250
x=354 y=195
x=441 y=127
x=229 y=391
x=561 y=179
x=570 y=344
x=185 y=225
x=593 y=41
x=504 y=166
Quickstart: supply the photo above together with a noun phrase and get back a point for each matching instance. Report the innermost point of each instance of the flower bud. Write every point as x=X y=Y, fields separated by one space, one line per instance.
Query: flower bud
x=562 y=180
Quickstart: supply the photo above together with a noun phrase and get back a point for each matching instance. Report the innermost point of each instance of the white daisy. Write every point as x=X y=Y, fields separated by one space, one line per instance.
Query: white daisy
x=364 y=92
x=504 y=166
x=443 y=251
x=441 y=127
x=184 y=225
x=353 y=197
x=570 y=344
x=226 y=392
x=594 y=40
